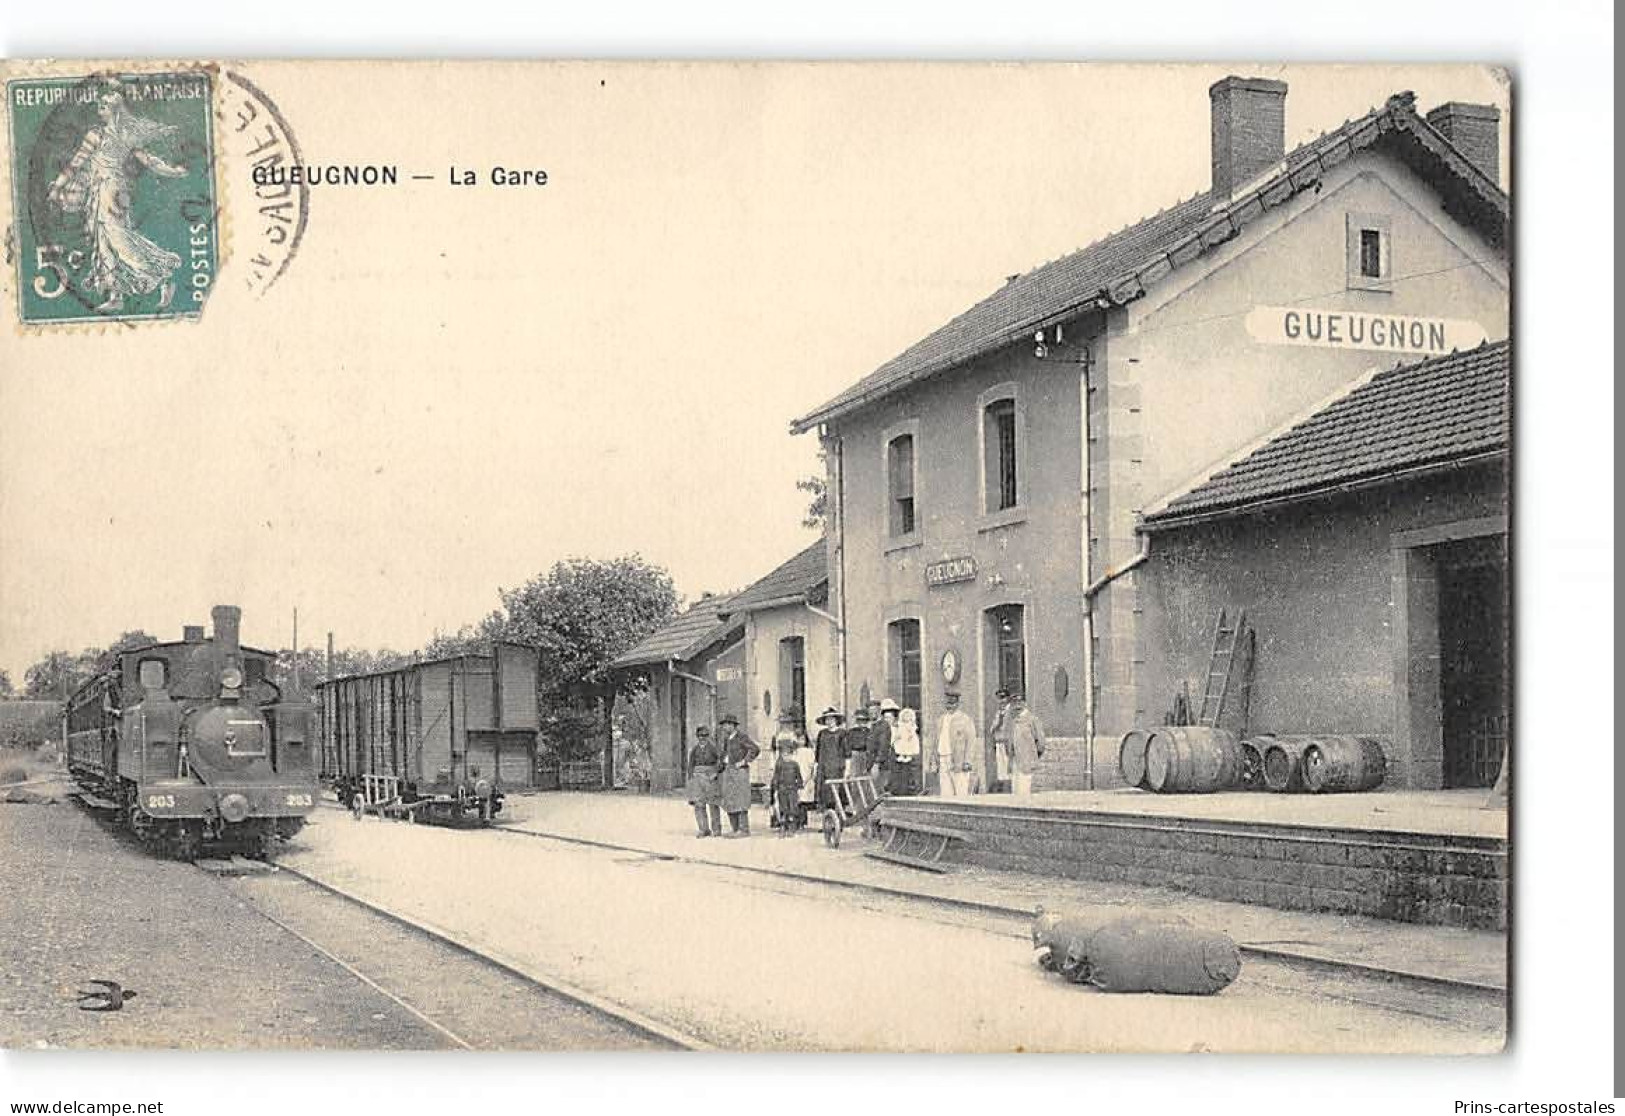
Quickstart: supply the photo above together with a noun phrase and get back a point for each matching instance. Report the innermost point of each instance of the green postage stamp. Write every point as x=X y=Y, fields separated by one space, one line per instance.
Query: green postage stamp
x=113 y=176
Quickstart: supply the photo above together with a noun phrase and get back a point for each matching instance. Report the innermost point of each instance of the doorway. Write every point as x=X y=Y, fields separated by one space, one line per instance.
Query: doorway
x=1007 y=652
x=1474 y=689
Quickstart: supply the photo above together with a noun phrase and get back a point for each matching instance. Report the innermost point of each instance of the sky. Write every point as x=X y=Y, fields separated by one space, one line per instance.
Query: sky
x=452 y=389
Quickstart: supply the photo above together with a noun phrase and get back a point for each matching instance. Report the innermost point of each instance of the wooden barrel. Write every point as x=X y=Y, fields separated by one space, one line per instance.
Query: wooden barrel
x=1283 y=762
x=1191 y=759
x=1252 y=763
x=1131 y=757
x=1344 y=763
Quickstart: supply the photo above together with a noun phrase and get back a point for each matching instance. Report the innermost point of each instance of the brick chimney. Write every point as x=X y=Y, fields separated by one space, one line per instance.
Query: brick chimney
x=1249 y=130
x=1473 y=130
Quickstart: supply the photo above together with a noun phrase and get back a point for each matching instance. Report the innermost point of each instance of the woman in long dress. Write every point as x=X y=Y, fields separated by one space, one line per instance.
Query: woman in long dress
x=96 y=183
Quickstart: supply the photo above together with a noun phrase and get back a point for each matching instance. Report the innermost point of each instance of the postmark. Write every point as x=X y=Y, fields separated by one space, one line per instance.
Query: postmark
x=270 y=221
x=114 y=180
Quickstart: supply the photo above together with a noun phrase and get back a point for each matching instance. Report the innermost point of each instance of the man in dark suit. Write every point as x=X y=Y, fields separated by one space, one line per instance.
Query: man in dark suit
x=738 y=752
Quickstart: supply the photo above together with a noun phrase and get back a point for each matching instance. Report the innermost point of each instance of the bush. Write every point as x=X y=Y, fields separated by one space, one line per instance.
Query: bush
x=14 y=774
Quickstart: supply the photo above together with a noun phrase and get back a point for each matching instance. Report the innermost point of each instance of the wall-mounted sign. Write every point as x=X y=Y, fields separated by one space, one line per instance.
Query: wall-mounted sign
x=951 y=570
x=729 y=674
x=1350 y=329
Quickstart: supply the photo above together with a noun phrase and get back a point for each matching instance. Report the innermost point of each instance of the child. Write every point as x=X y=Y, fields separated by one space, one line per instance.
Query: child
x=787 y=784
x=806 y=758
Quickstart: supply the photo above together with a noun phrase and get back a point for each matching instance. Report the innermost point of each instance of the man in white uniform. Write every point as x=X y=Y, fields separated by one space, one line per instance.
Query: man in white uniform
x=956 y=739
x=1026 y=744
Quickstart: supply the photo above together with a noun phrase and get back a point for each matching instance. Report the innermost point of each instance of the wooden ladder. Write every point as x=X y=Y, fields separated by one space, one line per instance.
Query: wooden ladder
x=1227 y=640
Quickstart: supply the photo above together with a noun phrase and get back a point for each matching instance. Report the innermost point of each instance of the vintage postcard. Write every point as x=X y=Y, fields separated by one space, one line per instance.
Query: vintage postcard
x=899 y=557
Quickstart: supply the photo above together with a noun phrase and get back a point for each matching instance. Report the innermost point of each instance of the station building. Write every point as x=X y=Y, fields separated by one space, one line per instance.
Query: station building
x=753 y=653
x=1368 y=548
x=1003 y=491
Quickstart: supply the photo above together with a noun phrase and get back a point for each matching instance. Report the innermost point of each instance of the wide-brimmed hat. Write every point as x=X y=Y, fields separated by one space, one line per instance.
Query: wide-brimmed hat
x=728 y=719
x=1001 y=693
x=863 y=714
x=831 y=714
x=890 y=706
x=952 y=696
x=702 y=731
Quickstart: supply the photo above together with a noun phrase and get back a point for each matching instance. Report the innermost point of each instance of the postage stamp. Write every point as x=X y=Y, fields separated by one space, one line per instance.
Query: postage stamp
x=114 y=180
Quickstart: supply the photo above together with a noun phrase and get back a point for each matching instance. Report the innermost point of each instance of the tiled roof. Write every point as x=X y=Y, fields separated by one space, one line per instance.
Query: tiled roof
x=796 y=578
x=1436 y=412
x=697 y=628
x=1119 y=268
x=714 y=617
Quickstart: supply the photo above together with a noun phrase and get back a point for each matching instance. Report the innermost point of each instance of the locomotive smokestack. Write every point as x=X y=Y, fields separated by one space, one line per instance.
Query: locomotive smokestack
x=227 y=621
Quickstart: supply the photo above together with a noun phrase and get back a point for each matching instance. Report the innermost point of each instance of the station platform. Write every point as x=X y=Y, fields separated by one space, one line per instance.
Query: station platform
x=662 y=825
x=1433 y=857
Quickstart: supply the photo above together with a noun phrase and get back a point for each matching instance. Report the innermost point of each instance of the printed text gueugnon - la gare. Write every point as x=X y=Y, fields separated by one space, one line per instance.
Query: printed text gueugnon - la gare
x=387 y=174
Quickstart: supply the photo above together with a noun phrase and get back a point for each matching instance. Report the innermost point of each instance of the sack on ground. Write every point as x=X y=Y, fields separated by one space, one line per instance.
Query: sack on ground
x=1138 y=953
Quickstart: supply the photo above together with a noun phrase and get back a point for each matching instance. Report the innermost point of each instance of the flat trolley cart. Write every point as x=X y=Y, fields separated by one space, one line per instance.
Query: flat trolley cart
x=855 y=800
x=388 y=797
x=381 y=795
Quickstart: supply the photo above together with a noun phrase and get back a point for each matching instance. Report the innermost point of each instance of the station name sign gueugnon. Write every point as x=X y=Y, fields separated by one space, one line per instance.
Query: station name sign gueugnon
x=1351 y=329
x=950 y=570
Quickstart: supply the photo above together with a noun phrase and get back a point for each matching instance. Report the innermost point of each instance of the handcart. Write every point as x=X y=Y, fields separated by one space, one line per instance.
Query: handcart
x=855 y=800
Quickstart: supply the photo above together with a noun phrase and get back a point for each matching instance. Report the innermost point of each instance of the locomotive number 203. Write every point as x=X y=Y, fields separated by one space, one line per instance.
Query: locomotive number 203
x=160 y=802
x=298 y=800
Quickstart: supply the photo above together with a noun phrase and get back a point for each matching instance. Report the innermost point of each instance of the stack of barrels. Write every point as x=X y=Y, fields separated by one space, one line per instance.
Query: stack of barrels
x=1196 y=759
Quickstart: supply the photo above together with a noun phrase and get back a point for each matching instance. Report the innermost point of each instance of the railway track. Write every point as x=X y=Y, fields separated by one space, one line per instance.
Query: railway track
x=463 y=997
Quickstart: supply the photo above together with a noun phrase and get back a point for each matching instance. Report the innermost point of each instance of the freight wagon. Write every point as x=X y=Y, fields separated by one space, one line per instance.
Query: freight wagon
x=443 y=739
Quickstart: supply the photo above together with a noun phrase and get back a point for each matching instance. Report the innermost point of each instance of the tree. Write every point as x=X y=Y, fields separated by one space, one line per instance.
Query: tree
x=468 y=638
x=129 y=641
x=817 y=489
x=59 y=674
x=7 y=690
x=581 y=615
x=346 y=661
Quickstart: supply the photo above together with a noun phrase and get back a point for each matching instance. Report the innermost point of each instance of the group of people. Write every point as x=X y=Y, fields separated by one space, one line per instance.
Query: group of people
x=719 y=778
x=882 y=742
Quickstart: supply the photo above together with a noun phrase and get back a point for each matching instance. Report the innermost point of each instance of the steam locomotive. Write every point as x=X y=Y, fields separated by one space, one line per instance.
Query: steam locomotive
x=193 y=745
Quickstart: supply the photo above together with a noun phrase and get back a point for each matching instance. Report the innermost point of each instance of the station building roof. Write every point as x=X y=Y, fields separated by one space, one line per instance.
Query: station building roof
x=1438 y=413
x=1119 y=268
x=802 y=579
x=689 y=633
x=796 y=581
